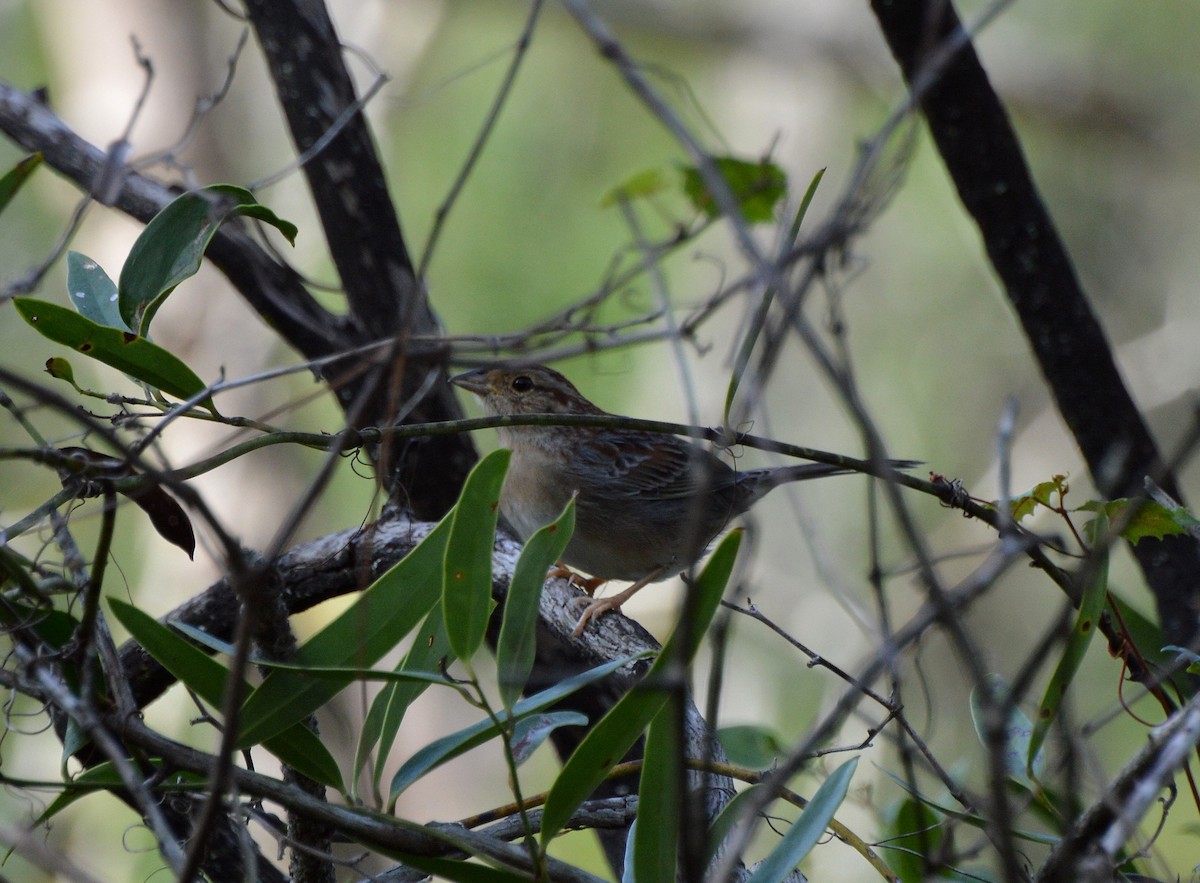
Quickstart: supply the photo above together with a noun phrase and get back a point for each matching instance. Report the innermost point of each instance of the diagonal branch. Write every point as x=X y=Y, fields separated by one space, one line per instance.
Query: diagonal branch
x=984 y=159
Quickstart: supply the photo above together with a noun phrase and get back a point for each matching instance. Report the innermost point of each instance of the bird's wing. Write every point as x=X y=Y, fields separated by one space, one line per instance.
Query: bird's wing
x=637 y=464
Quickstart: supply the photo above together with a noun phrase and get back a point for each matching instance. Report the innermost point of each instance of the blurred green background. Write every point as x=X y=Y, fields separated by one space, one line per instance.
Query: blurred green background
x=1103 y=93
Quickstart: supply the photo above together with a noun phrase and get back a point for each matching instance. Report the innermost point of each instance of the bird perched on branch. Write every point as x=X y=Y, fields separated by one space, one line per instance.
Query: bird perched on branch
x=647 y=504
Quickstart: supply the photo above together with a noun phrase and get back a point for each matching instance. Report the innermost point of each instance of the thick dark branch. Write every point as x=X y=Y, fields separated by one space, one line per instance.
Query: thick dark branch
x=385 y=298
x=984 y=158
x=345 y=176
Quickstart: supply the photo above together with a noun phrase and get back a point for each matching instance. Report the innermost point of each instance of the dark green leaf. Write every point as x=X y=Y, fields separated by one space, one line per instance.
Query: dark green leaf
x=914 y=834
x=297 y=746
x=1086 y=623
x=344 y=673
x=971 y=819
x=15 y=177
x=60 y=369
x=808 y=829
x=757 y=187
x=728 y=817
x=451 y=746
x=518 y=630
x=430 y=650
x=53 y=628
x=104 y=777
x=92 y=293
x=467 y=577
x=530 y=732
x=659 y=803
x=171 y=247
x=616 y=732
x=122 y=350
x=385 y=612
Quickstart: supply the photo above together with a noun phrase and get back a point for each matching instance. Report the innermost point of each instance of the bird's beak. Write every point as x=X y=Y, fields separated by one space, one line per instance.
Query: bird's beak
x=472 y=381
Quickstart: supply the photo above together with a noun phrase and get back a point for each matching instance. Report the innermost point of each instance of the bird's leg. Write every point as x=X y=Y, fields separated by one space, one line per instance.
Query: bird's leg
x=603 y=605
x=586 y=584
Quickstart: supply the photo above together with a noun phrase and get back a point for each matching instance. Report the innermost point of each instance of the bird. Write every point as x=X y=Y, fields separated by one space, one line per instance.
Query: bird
x=647 y=505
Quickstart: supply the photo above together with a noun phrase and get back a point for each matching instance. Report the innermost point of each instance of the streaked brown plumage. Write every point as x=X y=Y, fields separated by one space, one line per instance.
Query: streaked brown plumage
x=648 y=505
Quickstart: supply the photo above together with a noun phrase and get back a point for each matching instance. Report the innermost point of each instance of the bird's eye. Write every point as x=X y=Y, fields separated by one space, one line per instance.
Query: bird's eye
x=522 y=383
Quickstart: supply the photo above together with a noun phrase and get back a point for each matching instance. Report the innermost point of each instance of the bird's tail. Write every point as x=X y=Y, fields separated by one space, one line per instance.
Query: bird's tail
x=768 y=479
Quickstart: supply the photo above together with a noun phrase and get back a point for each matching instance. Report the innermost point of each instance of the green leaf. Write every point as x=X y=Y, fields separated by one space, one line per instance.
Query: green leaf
x=727 y=818
x=750 y=746
x=1148 y=518
x=640 y=185
x=92 y=293
x=298 y=746
x=1091 y=605
x=757 y=187
x=1017 y=732
x=54 y=628
x=659 y=803
x=808 y=829
x=1047 y=493
x=171 y=247
x=123 y=350
x=60 y=369
x=430 y=650
x=914 y=834
x=518 y=630
x=530 y=732
x=467 y=575
x=344 y=673
x=104 y=777
x=385 y=612
x=16 y=177
x=451 y=746
x=975 y=821
x=616 y=732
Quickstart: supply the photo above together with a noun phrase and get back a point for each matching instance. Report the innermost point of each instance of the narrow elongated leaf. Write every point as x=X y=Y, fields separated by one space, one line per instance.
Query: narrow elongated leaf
x=298 y=746
x=171 y=247
x=385 y=612
x=430 y=650
x=104 y=777
x=1091 y=605
x=92 y=293
x=518 y=630
x=123 y=350
x=659 y=804
x=467 y=576
x=725 y=821
x=530 y=732
x=16 y=177
x=451 y=746
x=345 y=673
x=616 y=732
x=808 y=829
